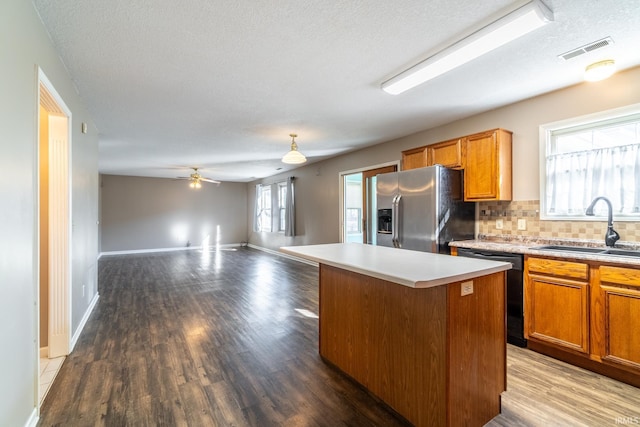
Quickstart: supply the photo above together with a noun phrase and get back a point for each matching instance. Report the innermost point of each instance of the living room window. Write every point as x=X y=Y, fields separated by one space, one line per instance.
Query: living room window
x=263 y=207
x=590 y=156
x=282 y=205
x=275 y=207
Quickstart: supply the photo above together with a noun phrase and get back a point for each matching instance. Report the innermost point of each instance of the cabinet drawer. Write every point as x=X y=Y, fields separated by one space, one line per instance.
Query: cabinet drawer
x=576 y=270
x=620 y=275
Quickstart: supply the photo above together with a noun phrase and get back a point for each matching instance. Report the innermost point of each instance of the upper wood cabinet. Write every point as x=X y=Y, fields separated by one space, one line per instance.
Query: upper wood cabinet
x=485 y=158
x=447 y=153
x=414 y=158
x=487 y=171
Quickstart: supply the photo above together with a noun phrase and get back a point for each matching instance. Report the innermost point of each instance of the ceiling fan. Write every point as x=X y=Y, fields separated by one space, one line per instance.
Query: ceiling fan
x=196 y=180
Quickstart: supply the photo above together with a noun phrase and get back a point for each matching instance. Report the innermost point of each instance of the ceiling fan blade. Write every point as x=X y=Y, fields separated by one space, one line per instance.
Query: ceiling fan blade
x=213 y=181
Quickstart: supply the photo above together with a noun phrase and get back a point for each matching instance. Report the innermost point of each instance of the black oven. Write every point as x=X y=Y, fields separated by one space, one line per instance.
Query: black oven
x=515 y=294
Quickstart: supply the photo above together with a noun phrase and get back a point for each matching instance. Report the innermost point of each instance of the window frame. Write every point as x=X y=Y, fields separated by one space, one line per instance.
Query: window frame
x=258 y=226
x=282 y=205
x=276 y=205
x=546 y=132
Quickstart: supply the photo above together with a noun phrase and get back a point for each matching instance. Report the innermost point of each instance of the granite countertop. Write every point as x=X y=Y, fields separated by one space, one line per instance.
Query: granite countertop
x=527 y=245
x=405 y=267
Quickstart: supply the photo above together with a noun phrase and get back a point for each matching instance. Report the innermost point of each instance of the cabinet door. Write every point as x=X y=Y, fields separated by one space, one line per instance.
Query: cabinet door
x=448 y=153
x=557 y=303
x=414 y=158
x=487 y=173
x=618 y=316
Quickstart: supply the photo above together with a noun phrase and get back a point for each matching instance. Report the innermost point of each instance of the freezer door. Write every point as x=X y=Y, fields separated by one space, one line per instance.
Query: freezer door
x=386 y=191
x=417 y=209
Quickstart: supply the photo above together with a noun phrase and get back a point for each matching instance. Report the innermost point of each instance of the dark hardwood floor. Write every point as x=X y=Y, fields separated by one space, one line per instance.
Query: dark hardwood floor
x=214 y=339
x=205 y=339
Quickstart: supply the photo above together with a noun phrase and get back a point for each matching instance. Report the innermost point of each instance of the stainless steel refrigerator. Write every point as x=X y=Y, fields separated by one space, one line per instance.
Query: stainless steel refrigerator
x=423 y=209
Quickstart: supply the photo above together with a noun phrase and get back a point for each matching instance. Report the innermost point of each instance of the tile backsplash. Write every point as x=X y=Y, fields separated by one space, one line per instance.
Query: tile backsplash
x=529 y=210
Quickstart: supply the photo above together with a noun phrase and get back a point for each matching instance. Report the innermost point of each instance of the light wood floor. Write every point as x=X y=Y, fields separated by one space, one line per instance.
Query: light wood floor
x=214 y=338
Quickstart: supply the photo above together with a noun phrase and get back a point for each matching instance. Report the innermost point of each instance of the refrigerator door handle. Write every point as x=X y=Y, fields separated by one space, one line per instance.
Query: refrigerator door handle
x=393 y=220
x=396 y=219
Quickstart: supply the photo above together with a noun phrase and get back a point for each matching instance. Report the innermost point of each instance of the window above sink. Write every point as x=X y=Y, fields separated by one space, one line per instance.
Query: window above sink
x=590 y=156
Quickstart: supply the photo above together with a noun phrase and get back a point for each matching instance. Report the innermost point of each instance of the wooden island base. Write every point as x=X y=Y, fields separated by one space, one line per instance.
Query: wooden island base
x=434 y=356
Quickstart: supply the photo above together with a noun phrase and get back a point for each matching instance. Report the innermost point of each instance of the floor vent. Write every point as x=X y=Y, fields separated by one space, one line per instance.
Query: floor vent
x=586 y=48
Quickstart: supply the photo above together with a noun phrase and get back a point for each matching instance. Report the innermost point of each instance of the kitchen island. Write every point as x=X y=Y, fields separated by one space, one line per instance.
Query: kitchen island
x=423 y=332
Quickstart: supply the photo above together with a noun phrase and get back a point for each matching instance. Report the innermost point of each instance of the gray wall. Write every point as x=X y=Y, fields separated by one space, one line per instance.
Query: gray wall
x=317 y=190
x=25 y=44
x=140 y=213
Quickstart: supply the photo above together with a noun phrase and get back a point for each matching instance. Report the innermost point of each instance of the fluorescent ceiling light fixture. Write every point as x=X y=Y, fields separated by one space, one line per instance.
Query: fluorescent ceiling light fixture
x=600 y=70
x=519 y=22
x=294 y=157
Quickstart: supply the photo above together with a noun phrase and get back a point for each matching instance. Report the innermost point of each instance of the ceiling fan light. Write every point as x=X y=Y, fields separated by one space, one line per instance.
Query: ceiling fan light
x=294 y=157
x=600 y=70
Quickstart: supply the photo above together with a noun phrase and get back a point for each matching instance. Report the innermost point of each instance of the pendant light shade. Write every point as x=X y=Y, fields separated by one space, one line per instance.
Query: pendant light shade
x=294 y=157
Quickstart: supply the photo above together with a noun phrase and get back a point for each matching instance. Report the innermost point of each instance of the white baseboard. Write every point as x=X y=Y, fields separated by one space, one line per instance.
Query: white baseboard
x=83 y=322
x=282 y=254
x=33 y=419
x=145 y=251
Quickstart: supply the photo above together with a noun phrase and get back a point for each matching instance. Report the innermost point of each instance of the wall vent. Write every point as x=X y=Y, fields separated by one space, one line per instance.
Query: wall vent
x=586 y=48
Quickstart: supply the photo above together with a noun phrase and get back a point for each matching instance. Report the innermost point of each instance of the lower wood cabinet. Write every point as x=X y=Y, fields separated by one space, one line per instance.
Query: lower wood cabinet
x=586 y=313
x=616 y=314
x=558 y=303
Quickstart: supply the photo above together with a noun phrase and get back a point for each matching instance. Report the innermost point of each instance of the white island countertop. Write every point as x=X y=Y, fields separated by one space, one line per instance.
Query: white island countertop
x=409 y=268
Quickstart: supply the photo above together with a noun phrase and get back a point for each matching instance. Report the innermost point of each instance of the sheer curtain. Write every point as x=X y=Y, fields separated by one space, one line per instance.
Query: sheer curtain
x=290 y=209
x=575 y=179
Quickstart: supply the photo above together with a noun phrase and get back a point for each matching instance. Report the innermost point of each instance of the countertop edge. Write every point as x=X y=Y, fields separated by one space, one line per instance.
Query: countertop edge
x=417 y=284
x=529 y=249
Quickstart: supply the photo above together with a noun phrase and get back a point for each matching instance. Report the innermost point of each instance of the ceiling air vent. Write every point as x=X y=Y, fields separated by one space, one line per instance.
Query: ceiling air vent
x=586 y=48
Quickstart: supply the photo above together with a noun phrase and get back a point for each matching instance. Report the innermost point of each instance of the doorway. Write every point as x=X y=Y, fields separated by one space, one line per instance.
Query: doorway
x=358 y=203
x=54 y=223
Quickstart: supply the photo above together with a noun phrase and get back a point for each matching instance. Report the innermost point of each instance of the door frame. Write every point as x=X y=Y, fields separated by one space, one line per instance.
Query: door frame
x=341 y=178
x=59 y=299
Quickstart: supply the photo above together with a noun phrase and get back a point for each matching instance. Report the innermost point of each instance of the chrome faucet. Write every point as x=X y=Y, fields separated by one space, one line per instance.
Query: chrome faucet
x=611 y=236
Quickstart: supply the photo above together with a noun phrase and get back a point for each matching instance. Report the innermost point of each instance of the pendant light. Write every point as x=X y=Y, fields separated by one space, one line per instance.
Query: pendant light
x=294 y=157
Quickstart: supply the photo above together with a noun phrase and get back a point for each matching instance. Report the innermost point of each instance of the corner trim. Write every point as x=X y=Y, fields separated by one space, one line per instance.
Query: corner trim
x=83 y=322
x=282 y=254
x=33 y=419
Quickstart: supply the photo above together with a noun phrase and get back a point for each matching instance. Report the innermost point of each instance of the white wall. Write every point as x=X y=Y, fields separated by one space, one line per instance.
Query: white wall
x=317 y=184
x=24 y=45
x=140 y=213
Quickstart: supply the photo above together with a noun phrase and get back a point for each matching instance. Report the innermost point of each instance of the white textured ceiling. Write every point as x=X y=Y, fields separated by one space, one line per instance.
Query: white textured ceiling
x=221 y=84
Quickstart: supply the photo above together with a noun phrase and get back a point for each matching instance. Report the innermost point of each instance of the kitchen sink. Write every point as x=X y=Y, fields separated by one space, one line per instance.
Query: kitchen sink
x=622 y=252
x=598 y=251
